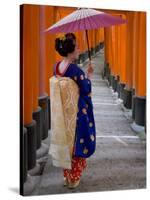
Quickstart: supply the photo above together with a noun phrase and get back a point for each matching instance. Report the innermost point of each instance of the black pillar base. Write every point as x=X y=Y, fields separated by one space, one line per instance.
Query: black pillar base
x=133 y=107
x=49 y=113
x=121 y=89
x=114 y=84
x=31 y=144
x=23 y=158
x=111 y=80
x=108 y=73
x=133 y=104
x=37 y=116
x=140 y=111
x=43 y=103
x=118 y=86
x=127 y=98
x=118 y=89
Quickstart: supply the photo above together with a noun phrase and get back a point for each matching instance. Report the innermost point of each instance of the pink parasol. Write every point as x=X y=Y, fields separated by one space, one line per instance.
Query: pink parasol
x=84 y=19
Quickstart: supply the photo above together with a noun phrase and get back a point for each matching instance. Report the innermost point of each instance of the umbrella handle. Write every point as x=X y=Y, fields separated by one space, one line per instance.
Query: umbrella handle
x=89 y=53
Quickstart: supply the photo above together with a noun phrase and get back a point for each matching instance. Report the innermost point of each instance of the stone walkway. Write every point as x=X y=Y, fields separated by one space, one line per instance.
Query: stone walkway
x=119 y=162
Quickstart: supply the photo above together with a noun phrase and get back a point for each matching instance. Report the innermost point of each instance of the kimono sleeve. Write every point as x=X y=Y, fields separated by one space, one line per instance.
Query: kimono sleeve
x=83 y=82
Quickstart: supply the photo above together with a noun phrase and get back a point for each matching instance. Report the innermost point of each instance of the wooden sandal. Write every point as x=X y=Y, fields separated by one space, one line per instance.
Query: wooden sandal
x=73 y=185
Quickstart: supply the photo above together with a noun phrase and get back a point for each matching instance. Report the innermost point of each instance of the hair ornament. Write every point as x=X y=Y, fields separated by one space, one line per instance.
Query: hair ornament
x=63 y=38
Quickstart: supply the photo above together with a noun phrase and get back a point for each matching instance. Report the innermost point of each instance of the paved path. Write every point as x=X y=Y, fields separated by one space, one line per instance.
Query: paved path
x=119 y=160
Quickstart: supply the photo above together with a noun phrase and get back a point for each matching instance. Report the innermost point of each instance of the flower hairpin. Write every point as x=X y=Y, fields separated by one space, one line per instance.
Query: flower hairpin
x=63 y=38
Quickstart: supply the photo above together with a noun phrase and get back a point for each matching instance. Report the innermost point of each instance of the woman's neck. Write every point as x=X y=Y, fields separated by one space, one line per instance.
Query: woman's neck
x=64 y=64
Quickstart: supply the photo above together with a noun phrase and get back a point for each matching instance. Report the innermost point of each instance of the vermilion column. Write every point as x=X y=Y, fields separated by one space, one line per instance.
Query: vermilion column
x=25 y=93
x=141 y=76
x=117 y=83
x=92 y=42
x=34 y=53
x=26 y=65
x=127 y=96
x=129 y=51
x=84 y=41
x=109 y=54
x=109 y=45
x=49 y=44
x=111 y=50
x=139 y=100
x=47 y=48
x=93 y=38
x=90 y=38
x=101 y=35
x=97 y=36
x=79 y=38
x=47 y=60
x=114 y=66
x=42 y=69
x=82 y=45
x=118 y=50
x=122 y=49
x=106 y=49
x=95 y=33
x=135 y=49
x=106 y=70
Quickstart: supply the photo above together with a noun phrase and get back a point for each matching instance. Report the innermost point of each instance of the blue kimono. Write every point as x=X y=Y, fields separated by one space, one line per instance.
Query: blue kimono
x=85 y=137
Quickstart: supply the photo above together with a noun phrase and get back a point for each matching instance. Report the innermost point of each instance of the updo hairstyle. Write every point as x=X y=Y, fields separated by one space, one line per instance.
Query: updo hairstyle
x=65 y=44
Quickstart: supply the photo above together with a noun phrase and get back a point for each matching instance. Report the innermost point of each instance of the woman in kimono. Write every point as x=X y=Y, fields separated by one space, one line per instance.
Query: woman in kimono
x=85 y=135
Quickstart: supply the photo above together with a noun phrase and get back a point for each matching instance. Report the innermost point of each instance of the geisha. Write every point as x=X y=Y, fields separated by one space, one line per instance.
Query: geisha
x=85 y=131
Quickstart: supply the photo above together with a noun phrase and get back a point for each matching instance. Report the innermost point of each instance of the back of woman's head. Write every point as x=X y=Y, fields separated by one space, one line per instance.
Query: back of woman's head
x=66 y=44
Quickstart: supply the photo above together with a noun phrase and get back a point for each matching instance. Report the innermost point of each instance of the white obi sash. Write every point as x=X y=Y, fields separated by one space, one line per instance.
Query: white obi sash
x=64 y=95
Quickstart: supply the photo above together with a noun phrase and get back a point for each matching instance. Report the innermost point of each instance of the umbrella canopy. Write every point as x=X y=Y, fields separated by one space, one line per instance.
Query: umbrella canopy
x=84 y=19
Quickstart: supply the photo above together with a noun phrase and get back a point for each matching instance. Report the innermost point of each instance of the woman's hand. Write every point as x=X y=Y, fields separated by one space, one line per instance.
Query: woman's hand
x=90 y=70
